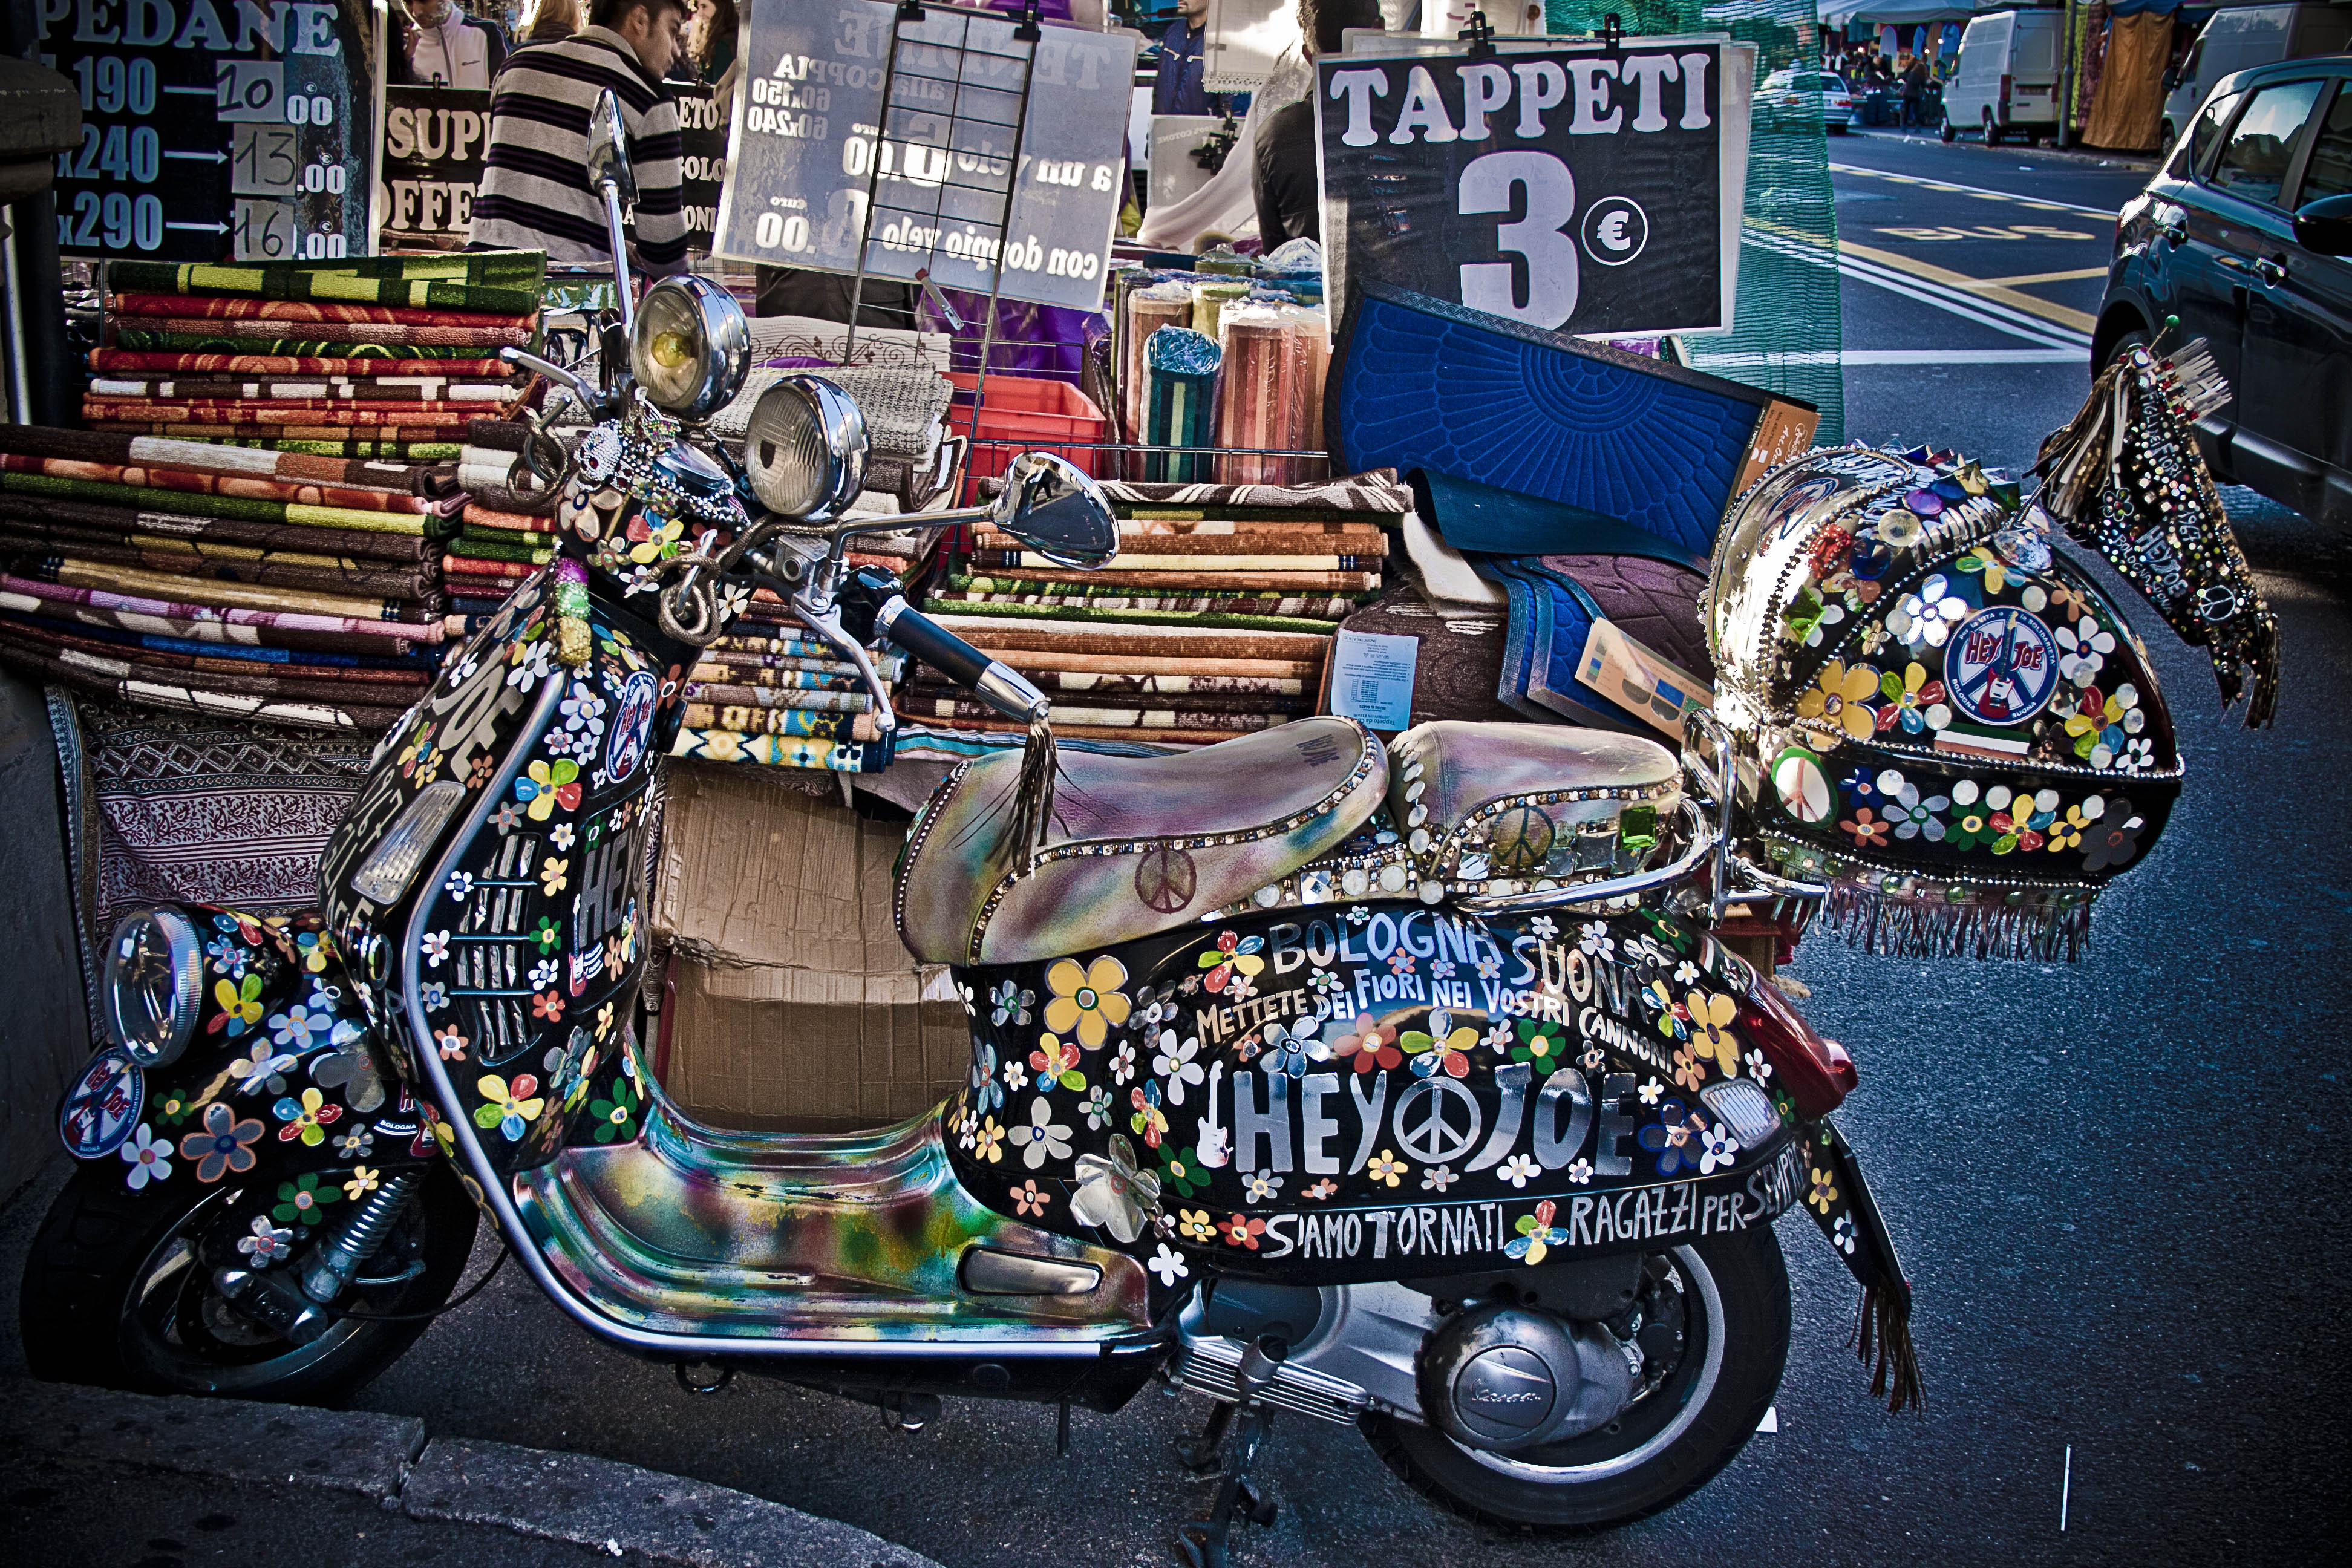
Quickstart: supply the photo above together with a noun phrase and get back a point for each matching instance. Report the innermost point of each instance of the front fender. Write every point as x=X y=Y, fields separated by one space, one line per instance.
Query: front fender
x=283 y=1079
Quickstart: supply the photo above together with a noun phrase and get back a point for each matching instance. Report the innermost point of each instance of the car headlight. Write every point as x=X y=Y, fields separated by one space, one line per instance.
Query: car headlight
x=804 y=448
x=154 y=984
x=692 y=347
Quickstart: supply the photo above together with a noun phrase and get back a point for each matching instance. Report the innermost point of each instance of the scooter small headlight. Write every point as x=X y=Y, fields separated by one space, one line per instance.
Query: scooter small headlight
x=692 y=347
x=154 y=984
x=804 y=448
x=400 y=854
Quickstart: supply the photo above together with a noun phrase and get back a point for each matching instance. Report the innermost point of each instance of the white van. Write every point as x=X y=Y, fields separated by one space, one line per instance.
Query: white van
x=2245 y=37
x=2007 y=80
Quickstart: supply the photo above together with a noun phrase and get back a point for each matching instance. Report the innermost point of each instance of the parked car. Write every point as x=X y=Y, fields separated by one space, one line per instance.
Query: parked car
x=1792 y=94
x=2007 y=82
x=2243 y=234
x=2242 y=38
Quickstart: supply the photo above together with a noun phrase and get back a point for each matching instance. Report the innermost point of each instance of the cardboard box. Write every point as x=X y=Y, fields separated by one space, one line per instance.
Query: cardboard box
x=792 y=1007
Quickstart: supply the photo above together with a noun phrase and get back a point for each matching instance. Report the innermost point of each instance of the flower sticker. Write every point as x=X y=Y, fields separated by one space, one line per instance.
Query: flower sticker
x=149 y=1158
x=1240 y=1231
x=267 y=1244
x=1232 y=956
x=240 y=1006
x=1027 y=1200
x=1868 y=832
x=1718 y=1149
x=1371 y=1046
x=1182 y=1170
x=1541 y=1044
x=1711 y=1014
x=510 y=1108
x=1386 y=1168
x=1193 y=1225
x=1012 y=1004
x=302 y=1200
x=1150 y=1121
x=1169 y=1263
x=1173 y=1060
x=1825 y=1191
x=988 y=1144
x=1055 y=1062
x=224 y=1144
x=1114 y=1194
x=1914 y=702
x=1536 y=1235
x=1087 y=1001
x=1444 y=1049
x=1041 y=1137
x=1837 y=707
x=1519 y=1171
x=306 y=1119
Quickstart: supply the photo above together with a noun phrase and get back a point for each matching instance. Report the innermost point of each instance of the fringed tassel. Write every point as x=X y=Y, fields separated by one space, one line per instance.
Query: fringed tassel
x=1933 y=928
x=2075 y=458
x=1033 y=795
x=2264 y=662
x=1882 y=1335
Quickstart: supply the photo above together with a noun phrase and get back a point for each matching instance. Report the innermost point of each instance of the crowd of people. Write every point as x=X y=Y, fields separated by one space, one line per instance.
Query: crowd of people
x=438 y=43
x=1911 y=80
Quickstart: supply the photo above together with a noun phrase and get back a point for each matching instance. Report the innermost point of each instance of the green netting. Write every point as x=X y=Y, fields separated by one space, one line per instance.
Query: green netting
x=1787 y=332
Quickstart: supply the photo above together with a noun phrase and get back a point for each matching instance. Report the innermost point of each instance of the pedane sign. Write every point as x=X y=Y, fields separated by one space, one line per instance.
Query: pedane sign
x=216 y=129
x=1588 y=190
x=975 y=129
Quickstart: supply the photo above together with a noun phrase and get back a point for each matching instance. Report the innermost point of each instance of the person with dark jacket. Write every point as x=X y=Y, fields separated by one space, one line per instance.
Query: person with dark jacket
x=1289 y=199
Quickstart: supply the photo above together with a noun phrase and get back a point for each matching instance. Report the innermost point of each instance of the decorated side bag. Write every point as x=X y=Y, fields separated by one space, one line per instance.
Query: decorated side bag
x=1950 y=724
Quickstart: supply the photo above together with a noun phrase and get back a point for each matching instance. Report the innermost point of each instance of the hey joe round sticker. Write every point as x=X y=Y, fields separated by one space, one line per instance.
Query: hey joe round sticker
x=2001 y=666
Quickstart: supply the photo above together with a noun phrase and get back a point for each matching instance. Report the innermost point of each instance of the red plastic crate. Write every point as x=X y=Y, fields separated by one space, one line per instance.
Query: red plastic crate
x=1026 y=414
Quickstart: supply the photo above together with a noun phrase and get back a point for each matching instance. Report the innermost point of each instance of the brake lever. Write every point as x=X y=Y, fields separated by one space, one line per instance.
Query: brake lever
x=827 y=624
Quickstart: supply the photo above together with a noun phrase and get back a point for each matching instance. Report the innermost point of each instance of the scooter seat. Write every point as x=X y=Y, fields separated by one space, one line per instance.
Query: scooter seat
x=1137 y=845
x=1525 y=800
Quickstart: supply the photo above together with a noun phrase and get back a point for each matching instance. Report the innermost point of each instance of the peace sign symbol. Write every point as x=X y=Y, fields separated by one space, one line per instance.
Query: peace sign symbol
x=1166 y=878
x=1422 y=1126
x=1520 y=838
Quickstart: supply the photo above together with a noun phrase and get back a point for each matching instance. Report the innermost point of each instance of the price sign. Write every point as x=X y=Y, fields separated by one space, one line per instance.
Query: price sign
x=1585 y=190
x=433 y=142
x=701 y=162
x=985 y=159
x=213 y=129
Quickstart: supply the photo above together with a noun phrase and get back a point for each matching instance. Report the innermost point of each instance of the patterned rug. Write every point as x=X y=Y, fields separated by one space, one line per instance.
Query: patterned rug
x=198 y=810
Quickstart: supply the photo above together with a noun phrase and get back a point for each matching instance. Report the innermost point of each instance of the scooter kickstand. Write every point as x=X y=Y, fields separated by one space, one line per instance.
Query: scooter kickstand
x=1202 y=1543
x=1198 y=1454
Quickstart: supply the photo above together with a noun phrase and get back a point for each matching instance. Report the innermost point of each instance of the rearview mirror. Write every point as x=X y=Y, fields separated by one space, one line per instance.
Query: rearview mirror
x=2324 y=228
x=1056 y=511
x=608 y=151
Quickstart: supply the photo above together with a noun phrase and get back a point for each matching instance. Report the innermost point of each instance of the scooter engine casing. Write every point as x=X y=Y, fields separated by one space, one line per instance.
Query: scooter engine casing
x=1504 y=1379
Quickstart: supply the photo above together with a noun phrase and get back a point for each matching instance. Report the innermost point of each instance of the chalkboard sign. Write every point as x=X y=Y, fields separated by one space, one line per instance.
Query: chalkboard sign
x=809 y=137
x=433 y=141
x=702 y=160
x=1592 y=191
x=216 y=128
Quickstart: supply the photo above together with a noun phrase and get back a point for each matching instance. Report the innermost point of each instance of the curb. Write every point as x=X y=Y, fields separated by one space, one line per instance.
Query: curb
x=599 y=1503
x=2122 y=162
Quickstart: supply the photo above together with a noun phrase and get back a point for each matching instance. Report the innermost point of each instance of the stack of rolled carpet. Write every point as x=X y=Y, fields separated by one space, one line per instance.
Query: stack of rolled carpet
x=1214 y=621
x=265 y=584
x=506 y=532
x=766 y=695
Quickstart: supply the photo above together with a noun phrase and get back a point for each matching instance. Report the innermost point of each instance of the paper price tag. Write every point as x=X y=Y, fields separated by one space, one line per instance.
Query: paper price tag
x=1371 y=678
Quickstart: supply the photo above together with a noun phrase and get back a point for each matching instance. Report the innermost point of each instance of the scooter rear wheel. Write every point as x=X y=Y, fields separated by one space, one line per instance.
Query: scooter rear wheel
x=116 y=1292
x=1734 y=1292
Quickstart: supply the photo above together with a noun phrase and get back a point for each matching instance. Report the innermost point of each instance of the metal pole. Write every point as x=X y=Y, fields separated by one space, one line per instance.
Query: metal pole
x=910 y=11
x=1028 y=31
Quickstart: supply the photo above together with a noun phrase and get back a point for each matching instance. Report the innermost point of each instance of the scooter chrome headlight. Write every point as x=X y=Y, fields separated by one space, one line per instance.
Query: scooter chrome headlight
x=804 y=450
x=154 y=984
x=692 y=347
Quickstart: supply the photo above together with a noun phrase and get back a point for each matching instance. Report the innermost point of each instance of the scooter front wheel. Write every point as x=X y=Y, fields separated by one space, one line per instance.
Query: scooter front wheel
x=118 y=1291
x=1732 y=1295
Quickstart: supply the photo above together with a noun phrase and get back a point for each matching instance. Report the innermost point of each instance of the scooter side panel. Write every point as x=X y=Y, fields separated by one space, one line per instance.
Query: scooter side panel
x=1352 y=1093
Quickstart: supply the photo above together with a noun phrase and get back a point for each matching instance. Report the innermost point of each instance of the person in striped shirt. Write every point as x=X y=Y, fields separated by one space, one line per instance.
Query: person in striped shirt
x=534 y=193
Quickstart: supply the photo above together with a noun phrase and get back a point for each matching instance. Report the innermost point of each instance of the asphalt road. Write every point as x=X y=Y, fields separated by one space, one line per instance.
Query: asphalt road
x=2119 y=1185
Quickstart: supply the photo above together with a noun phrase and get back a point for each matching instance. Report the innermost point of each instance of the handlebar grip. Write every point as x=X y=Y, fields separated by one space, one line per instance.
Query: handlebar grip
x=1000 y=687
x=931 y=642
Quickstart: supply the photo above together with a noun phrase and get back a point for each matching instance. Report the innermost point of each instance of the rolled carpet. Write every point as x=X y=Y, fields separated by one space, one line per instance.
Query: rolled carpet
x=140 y=361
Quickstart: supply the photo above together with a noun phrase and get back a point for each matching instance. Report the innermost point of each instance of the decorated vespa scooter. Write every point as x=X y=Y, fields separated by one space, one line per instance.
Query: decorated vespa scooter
x=1403 y=1090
